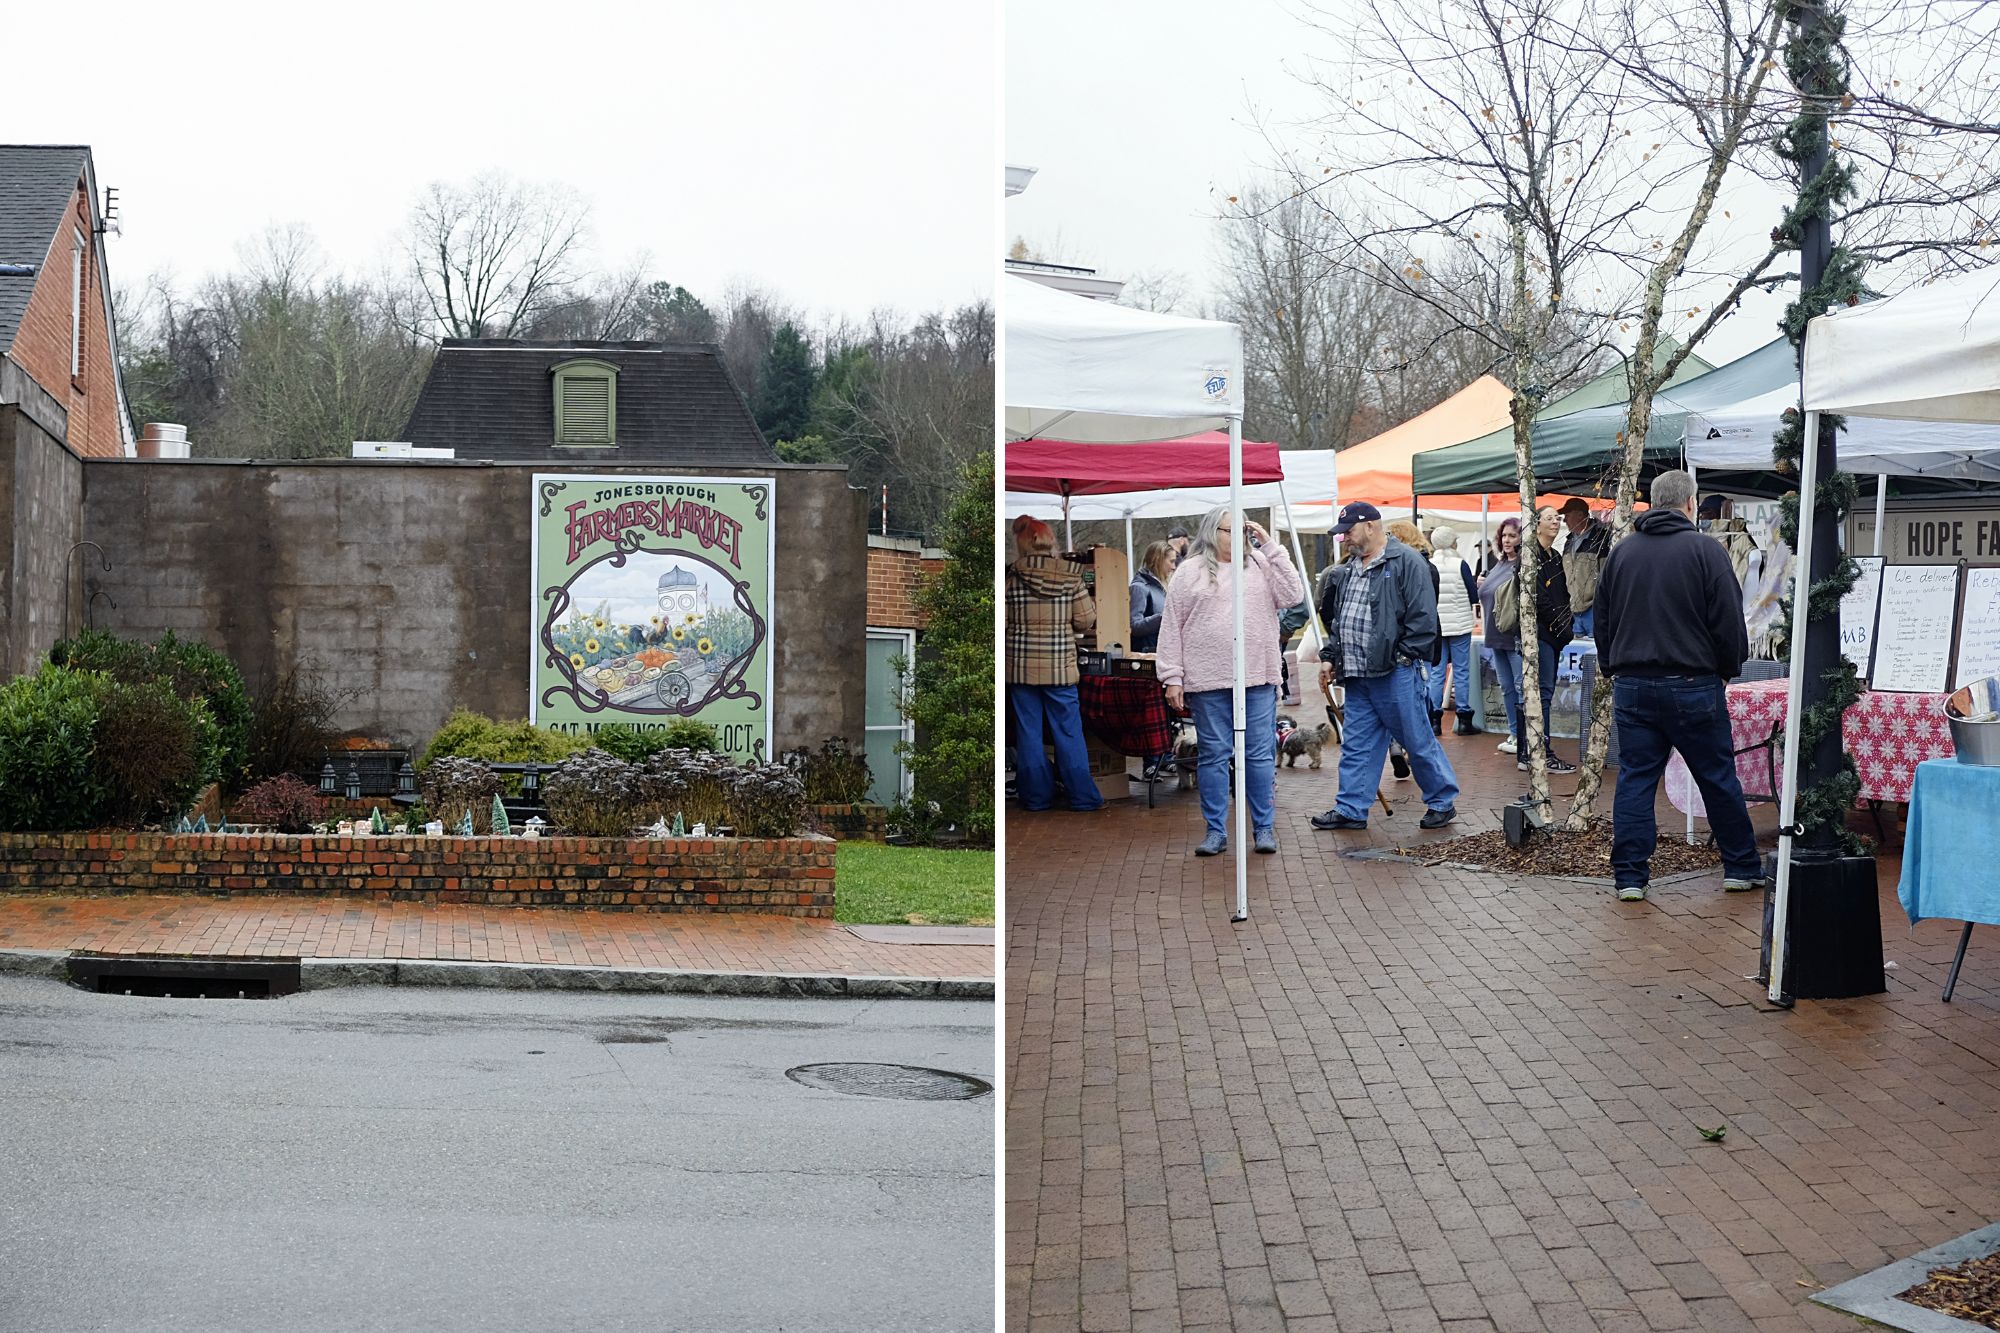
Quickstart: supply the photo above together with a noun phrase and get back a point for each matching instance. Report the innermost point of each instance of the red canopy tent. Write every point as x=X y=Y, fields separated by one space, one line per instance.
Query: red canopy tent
x=1064 y=467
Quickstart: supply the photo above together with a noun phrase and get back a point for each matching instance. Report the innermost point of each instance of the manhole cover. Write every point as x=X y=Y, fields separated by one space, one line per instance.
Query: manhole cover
x=910 y=1083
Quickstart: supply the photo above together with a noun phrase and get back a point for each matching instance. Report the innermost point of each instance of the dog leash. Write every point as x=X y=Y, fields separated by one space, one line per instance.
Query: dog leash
x=1339 y=735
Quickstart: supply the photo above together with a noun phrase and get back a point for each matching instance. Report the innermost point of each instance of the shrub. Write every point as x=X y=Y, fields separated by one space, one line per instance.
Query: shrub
x=454 y=787
x=469 y=735
x=155 y=750
x=48 y=726
x=765 y=801
x=291 y=726
x=284 y=802
x=693 y=783
x=191 y=669
x=951 y=699
x=685 y=733
x=629 y=743
x=594 y=794
x=833 y=774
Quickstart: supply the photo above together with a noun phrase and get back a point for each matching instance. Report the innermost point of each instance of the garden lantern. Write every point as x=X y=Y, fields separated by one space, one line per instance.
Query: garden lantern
x=327 y=782
x=531 y=780
x=406 y=779
x=354 y=780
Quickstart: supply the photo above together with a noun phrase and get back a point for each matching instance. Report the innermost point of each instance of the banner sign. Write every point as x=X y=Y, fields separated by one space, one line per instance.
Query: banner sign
x=653 y=602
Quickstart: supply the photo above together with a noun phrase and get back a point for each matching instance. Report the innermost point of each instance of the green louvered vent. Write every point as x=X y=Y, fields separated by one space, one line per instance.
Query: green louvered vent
x=584 y=410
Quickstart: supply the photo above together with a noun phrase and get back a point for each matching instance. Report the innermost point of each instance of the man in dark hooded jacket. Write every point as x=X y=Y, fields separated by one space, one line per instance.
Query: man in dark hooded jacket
x=1670 y=635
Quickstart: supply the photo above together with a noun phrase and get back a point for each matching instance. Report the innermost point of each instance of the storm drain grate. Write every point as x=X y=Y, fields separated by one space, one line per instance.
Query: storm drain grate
x=185 y=978
x=910 y=1083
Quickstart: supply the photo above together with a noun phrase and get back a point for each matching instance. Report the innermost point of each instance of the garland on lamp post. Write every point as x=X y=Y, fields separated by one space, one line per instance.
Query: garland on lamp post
x=1817 y=69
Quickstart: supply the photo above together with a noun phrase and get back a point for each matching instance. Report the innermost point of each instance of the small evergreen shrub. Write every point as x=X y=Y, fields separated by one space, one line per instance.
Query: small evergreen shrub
x=951 y=699
x=284 y=802
x=193 y=670
x=454 y=786
x=593 y=794
x=685 y=733
x=155 y=750
x=630 y=743
x=48 y=739
x=469 y=735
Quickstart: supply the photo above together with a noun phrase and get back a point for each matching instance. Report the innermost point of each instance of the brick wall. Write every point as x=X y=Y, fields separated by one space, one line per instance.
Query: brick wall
x=894 y=566
x=42 y=344
x=777 y=877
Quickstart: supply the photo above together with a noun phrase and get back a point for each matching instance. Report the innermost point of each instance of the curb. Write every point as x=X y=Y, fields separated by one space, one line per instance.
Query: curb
x=327 y=973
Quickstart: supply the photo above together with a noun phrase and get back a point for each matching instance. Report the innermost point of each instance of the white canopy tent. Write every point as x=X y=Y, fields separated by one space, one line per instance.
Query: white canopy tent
x=1094 y=372
x=1930 y=354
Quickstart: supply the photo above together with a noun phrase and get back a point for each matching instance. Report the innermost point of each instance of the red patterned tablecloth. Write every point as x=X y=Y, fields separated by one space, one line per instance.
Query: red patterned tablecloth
x=1888 y=735
x=1127 y=713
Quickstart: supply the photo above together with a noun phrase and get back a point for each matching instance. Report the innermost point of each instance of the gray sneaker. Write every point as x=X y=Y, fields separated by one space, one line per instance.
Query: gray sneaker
x=1265 y=841
x=1632 y=893
x=1739 y=884
x=1213 y=845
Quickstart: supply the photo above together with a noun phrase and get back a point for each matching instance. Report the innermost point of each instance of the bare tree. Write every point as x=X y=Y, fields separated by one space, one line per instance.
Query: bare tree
x=494 y=254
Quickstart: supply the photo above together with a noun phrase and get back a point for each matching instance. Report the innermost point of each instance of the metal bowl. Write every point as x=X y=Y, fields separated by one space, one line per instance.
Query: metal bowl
x=1973 y=714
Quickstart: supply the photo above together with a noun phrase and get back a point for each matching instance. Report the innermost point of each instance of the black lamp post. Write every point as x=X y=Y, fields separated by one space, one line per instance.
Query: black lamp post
x=328 y=784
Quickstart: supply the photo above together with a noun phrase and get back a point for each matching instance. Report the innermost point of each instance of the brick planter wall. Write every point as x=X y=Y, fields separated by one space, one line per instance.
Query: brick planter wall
x=860 y=822
x=779 y=876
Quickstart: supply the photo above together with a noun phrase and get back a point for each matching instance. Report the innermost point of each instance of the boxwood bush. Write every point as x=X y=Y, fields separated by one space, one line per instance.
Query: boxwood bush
x=469 y=735
x=48 y=742
x=193 y=671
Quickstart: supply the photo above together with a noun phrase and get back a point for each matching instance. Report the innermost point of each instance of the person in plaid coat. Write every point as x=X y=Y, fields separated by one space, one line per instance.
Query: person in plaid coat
x=1047 y=608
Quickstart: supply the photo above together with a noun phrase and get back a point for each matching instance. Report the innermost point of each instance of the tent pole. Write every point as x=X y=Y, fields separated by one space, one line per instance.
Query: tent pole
x=1069 y=536
x=1239 y=552
x=1475 y=659
x=1299 y=554
x=1802 y=576
x=1131 y=566
x=1881 y=506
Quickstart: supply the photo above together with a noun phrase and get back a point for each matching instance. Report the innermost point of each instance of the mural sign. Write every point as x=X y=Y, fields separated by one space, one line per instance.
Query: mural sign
x=653 y=602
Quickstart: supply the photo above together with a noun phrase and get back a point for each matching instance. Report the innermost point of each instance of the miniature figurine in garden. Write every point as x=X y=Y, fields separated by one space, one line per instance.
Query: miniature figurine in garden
x=376 y=824
x=464 y=829
x=501 y=828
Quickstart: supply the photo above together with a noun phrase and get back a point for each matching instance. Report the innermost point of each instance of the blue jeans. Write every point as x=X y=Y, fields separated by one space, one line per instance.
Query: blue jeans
x=1457 y=656
x=1656 y=715
x=1034 y=784
x=1545 y=668
x=1215 y=744
x=1507 y=666
x=1379 y=709
x=1583 y=621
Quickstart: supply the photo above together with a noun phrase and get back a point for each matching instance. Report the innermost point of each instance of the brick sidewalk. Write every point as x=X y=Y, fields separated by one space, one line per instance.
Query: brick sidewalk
x=352 y=928
x=1407 y=1098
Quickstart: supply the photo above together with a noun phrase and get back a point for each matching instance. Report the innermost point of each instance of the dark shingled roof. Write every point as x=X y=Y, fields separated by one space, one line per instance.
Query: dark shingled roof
x=493 y=398
x=36 y=183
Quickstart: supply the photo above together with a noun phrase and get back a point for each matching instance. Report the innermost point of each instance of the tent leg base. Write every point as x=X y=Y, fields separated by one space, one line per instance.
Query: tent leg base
x=1238 y=918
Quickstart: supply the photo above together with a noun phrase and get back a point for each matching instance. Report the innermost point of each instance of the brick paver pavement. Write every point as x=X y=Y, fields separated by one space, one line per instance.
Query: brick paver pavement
x=354 y=928
x=1408 y=1098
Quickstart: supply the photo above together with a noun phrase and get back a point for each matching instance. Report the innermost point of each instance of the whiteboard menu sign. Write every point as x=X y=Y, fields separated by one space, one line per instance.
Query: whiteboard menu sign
x=1913 y=634
x=1979 y=628
x=1857 y=613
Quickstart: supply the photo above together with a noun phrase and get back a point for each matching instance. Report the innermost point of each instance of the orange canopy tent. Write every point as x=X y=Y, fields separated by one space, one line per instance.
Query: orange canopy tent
x=1378 y=470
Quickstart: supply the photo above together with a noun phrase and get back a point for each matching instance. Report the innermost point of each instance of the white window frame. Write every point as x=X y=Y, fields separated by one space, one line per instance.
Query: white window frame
x=76 y=304
x=905 y=730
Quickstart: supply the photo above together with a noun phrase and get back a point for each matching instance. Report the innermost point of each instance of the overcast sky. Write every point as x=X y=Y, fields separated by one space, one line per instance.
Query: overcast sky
x=1140 y=118
x=840 y=155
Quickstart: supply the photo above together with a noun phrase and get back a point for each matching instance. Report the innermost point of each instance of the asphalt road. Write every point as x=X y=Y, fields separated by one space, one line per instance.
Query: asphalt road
x=445 y=1160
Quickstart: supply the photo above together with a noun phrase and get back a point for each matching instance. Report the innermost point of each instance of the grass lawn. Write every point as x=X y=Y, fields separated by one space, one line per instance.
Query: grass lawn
x=913 y=886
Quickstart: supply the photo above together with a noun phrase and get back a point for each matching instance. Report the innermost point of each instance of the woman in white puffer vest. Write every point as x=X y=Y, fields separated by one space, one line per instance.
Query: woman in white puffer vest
x=1458 y=593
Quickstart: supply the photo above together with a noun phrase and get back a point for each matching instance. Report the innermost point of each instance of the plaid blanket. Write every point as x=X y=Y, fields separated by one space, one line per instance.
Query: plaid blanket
x=1127 y=713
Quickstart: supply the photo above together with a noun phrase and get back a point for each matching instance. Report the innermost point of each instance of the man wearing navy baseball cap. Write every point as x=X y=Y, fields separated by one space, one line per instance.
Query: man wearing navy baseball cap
x=1380 y=610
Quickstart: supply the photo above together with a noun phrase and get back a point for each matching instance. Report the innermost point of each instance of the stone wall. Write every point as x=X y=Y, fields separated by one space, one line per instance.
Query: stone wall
x=41 y=505
x=407 y=583
x=773 y=877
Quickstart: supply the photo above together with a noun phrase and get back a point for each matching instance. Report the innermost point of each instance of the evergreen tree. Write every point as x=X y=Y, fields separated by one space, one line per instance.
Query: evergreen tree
x=784 y=398
x=951 y=698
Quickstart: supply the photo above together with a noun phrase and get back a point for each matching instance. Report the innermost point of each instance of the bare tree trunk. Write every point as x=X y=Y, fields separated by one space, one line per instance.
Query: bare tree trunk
x=1533 y=738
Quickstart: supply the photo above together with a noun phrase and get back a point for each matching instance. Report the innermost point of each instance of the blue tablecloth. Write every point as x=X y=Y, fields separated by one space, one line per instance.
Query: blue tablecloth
x=1951 y=853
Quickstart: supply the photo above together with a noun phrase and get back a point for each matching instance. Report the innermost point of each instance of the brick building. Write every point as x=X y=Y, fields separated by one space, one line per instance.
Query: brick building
x=58 y=348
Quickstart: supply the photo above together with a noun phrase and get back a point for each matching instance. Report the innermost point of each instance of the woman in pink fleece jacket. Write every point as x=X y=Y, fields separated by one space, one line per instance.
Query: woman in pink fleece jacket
x=1197 y=664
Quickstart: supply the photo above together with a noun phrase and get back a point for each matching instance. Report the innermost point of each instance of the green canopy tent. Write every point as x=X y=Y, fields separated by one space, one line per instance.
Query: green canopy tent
x=1576 y=436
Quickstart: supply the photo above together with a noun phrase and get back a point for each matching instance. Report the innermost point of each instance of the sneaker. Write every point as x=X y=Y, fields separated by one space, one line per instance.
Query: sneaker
x=1507 y=746
x=1438 y=818
x=1745 y=884
x=1333 y=819
x=1400 y=767
x=1213 y=845
x=1265 y=842
x=1631 y=893
x=1560 y=766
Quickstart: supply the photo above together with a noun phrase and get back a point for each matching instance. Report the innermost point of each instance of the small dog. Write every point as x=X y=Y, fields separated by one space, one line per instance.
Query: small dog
x=1187 y=753
x=1307 y=741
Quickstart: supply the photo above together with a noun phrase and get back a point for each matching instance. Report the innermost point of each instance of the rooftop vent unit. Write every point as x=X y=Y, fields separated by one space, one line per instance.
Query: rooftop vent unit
x=163 y=439
x=396 y=449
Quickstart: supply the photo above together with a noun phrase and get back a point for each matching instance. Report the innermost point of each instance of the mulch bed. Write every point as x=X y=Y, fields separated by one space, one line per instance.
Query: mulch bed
x=1968 y=1291
x=1584 y=854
